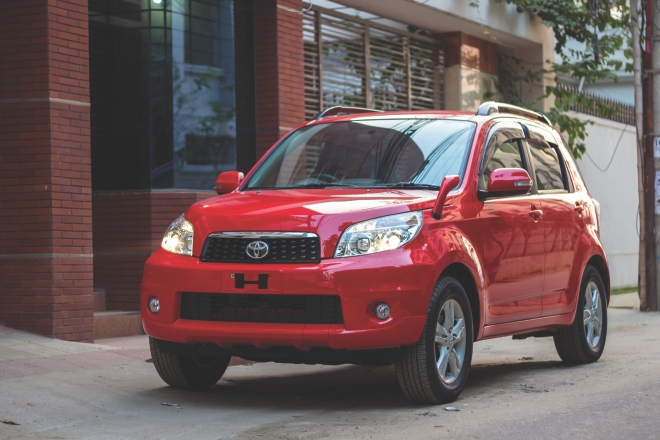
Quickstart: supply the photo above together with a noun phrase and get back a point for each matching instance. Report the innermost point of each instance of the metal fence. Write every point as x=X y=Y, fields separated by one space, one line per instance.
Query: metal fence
x=625 y=113
x=350 y=61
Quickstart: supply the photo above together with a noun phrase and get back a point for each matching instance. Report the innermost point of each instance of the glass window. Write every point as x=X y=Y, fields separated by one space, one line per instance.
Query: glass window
x=504 y=150
x=504 y=155
x=162 y=78
x=546 y=166
x=204 y=124
x=367 y=153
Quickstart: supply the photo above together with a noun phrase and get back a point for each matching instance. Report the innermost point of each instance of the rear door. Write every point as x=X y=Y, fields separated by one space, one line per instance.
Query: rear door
x=512 y=236
x=562 y=218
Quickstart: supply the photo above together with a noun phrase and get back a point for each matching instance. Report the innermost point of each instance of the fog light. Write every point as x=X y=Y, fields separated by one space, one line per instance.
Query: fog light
x=154 y=305
x=382 y=311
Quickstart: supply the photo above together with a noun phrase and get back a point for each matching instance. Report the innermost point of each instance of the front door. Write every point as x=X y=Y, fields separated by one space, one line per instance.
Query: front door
x=512 y=239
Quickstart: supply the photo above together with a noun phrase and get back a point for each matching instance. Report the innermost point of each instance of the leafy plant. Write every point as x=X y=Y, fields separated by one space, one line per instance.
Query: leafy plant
x=601 y=26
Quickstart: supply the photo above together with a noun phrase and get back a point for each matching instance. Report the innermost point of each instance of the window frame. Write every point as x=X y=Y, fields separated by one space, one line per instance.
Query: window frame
x=518 y=134
x=541 y=135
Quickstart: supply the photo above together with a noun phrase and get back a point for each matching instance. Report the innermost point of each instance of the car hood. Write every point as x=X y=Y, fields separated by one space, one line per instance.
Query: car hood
x=326 y=212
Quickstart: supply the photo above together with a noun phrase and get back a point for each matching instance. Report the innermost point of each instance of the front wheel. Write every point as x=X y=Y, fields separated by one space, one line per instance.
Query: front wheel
x=583 y=341
x=197 y=373
x=435 y=369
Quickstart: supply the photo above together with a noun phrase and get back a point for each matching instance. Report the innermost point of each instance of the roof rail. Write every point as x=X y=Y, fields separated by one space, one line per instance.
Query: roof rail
x=491 y=107
x=336 y=110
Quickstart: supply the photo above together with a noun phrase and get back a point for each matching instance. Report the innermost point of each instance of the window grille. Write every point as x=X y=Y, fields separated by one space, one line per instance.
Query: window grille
x=354 y=62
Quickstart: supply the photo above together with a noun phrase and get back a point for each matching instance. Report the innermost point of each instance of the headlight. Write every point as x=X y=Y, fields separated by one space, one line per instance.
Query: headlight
x=179 y=237
x=380 y=234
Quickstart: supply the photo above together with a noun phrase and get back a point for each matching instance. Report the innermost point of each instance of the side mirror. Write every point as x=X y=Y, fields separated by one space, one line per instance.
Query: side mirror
x=228 y=181
x=509 y=181
x=448 y=183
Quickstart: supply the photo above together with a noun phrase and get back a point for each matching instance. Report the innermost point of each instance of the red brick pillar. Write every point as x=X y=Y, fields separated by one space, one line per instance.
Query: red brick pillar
x=280 y=72
x=45 y=176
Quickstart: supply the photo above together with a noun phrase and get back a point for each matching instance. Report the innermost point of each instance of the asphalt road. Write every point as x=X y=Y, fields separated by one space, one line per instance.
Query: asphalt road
x=507 y=397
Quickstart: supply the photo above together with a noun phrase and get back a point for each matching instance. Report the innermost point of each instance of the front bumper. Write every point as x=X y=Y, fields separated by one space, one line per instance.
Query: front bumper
x=403 y=278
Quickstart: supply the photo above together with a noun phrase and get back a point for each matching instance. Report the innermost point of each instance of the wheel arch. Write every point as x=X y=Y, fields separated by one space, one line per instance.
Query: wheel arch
x=598 y=262
x=464 y=276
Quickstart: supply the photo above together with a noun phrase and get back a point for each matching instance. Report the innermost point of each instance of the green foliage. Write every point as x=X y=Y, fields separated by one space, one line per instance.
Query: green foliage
x=601 y=26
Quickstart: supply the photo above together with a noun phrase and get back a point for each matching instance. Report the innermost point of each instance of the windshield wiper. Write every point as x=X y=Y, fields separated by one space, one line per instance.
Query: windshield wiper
x=321 y=185
x=306 y=186
x=412 y=186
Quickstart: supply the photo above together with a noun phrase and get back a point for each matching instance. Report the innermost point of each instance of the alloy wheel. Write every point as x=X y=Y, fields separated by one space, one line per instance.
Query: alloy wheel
x=450 y=341
x=593 y=315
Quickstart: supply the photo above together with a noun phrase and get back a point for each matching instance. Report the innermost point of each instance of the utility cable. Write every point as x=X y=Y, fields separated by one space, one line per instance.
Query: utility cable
x=613 y=154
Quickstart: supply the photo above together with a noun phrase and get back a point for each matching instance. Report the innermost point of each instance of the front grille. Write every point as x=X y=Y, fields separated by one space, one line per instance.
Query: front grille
x=284 y=309
x=225 y=249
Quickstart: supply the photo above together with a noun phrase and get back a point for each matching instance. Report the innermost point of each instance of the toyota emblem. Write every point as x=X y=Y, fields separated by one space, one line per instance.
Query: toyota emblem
x=257 y=250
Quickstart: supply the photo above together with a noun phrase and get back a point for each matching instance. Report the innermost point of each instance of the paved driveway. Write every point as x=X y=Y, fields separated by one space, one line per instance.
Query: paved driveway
x=57 y=389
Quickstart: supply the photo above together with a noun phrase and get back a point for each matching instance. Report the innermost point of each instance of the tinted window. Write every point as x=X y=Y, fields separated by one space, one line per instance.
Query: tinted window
x=505 y=155
x=546 y=166
x=367 y=153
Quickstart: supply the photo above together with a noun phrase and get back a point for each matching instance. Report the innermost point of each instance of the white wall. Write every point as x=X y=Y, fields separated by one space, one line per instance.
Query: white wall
x=616 y=190
x=466 y=87
x=504 y=23
x=623 y=91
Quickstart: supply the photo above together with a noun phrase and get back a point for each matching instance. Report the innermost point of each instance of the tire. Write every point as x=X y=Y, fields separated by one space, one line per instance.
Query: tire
x=575 y=344
x=419 y=376
x=196 y=373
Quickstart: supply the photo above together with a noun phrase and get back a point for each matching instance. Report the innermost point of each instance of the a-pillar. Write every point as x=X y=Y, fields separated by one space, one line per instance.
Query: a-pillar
x=279 y=67
x=45 y=181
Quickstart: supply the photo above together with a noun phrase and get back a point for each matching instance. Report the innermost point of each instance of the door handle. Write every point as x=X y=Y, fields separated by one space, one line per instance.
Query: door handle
x=578 y=207
x=535 y=214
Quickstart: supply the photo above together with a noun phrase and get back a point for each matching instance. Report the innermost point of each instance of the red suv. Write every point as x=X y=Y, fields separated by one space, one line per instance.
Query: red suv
x=378 y=238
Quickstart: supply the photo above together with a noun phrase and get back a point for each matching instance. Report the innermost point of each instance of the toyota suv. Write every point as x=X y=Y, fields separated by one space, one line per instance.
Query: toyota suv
x=380 y=238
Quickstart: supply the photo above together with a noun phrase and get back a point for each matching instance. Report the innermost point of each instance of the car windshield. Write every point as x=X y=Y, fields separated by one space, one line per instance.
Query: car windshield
x=415 y=153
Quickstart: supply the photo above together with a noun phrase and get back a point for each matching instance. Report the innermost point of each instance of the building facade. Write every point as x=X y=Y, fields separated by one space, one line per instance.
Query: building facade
x=115 y=115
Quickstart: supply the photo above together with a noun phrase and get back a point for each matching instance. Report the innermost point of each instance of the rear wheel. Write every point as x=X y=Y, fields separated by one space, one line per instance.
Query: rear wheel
x=583 y=341
x=435 y=369
x=197 y=373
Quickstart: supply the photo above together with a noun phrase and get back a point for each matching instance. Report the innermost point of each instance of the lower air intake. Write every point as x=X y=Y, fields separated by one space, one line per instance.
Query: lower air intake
x=284 y=309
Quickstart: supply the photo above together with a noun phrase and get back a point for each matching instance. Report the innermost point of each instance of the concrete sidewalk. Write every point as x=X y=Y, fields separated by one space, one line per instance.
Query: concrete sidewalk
x=518 y=389
x=625 y=301
x=24 y=354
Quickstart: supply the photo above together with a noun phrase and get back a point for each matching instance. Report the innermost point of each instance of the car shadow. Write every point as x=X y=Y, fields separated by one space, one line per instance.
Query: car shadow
x=346 y=387
x=485 y=377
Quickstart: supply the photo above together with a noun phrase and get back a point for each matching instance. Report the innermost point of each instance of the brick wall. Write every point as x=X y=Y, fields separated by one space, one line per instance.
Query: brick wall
x=279 y=66
x=45 y=188
x=128 y=227
x=47 y=272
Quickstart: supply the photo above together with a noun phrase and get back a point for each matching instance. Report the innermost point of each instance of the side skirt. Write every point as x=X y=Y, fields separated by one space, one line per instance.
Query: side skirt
x=546 y=323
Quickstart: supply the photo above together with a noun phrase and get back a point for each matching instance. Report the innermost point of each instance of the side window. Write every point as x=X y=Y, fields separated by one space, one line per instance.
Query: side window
x=500 y=155
x=546 y=166
x=506 y=155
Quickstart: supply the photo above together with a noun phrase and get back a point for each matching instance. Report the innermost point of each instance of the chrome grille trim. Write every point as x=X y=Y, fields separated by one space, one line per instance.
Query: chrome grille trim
x=266 y=234
x=284 y=247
